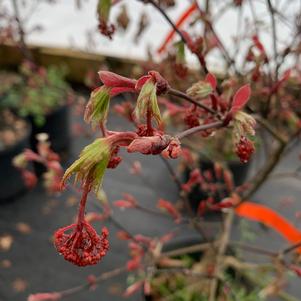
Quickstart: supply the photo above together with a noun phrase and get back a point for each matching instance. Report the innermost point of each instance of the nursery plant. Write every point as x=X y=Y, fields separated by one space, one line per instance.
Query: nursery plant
x=40 y=92
x=41 y=95
x=14 y=136
x=250 y=97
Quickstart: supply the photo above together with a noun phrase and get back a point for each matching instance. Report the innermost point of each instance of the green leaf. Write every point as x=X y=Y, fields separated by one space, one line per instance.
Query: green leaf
x=98 y=106
x=91 y=164
x=147 y=101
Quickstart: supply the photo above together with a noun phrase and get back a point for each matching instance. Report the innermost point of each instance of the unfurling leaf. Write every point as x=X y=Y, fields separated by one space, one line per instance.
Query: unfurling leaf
x=201 y=89
x=147 y=102
x=98 y=106
x=91 y=164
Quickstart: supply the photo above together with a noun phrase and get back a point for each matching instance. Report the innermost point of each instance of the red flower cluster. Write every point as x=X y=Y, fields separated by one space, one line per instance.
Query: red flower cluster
x=83 y=246
x=244 y=149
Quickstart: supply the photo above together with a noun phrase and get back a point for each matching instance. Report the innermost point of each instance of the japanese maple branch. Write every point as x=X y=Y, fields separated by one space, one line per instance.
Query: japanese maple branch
x=183 y=95
x=224 y=241
x=203 y=127
x=291 y=248
x=23 y=46
x=203 y=63
x=195 y=223
x=104 y=276
x=274 y=33
x=163 y=13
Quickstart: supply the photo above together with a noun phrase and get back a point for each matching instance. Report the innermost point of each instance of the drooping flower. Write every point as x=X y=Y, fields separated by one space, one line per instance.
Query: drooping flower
x=80 y=244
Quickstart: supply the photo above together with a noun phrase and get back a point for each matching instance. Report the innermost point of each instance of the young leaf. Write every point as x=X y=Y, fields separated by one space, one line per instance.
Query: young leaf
x=114 y=80
x=147 y=101
x=91 y=164
x=98 y=106
x=211 y=79
x=241 y=97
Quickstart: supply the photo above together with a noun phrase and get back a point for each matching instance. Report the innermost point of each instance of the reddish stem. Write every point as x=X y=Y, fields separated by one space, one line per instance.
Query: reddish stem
x=82 y=204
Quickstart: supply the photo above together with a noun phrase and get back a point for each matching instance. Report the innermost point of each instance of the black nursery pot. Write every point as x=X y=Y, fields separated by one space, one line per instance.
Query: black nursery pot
x=239 y=171
x=57 y=127
x=11 y=181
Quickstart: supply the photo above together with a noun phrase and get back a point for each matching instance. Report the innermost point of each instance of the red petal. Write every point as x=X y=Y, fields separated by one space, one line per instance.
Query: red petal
x=211 y=79
x=241 y=97
x=111 y=79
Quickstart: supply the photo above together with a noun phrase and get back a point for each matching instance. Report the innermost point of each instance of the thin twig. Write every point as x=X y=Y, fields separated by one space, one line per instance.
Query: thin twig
x=104 y=276
x=183 y=95
x=291 y=248
x=203 y=127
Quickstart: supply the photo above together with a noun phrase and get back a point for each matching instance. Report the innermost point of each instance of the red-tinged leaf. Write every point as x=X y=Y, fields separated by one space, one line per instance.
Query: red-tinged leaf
x=143 y=239
x=45 y=297
x=271 y=219
x=123 y=235
x=211 y=79
x=241 y=97
x=141 y=82
x=167 y=237
x=258 y=44
x=114 y=80
x=133 y=264
x=169 y=208
x=124 y=204
x=188 y=12
x=132 y=289
x=118 y=90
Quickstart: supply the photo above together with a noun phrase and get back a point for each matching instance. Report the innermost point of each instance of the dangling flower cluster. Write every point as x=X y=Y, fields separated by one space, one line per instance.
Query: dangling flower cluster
x=82 y=246
x=243 y=124
x=244 y=149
